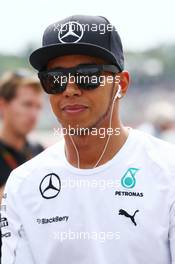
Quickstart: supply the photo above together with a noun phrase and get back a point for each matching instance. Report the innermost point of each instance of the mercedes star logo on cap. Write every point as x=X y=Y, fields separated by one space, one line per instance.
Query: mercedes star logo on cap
x=50 y=186
x=70 y=32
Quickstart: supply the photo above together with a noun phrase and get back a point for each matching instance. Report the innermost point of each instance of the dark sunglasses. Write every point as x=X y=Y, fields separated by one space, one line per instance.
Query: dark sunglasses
x=86 y=76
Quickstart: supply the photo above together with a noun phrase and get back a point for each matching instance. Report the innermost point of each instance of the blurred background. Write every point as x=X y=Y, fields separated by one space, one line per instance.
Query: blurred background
x=148 y=36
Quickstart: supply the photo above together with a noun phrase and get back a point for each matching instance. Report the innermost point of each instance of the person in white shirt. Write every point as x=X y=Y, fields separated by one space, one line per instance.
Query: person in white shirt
x=105 y=193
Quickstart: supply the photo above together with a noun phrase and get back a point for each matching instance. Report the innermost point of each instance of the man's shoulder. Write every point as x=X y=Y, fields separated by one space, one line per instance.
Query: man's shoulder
x=157 y=149
x=155 y=141
x=51 y=153
x=50 y=156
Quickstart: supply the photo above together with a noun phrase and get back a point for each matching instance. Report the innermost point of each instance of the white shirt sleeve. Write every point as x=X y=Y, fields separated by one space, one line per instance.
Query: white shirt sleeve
x=14 y=245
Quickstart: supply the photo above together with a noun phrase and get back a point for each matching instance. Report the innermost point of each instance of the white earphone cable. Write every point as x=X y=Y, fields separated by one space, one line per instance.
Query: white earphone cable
x=78 y=157
x=110 y=122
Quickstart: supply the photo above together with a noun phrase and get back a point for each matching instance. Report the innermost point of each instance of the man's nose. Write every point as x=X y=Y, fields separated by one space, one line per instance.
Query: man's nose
x=72 y=88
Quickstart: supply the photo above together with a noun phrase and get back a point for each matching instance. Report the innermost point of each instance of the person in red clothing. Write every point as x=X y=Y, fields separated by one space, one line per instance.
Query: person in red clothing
x=20 y=103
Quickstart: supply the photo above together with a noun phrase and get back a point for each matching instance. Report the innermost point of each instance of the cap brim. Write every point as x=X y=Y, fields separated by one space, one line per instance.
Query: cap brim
x=40 y=57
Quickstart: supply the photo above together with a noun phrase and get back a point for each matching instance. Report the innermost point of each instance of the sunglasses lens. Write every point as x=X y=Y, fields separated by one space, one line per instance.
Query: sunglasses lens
x=88 y=76
x=53 y=82
x=88 y=82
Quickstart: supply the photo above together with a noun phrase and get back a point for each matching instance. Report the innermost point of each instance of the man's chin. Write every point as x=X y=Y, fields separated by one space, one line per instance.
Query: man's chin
x=76 y=129
x=73 y=124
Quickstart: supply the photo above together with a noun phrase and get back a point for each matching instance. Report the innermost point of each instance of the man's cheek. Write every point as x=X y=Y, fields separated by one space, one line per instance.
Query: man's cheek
x=52 y=100
x=54 y=104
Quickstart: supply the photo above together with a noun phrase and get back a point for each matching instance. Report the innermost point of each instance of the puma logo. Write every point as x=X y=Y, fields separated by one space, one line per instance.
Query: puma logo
x=123 y=212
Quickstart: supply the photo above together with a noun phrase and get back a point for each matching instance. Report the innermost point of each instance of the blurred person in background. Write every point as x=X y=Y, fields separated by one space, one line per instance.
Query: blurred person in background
x=20 y=104
x=160 y=122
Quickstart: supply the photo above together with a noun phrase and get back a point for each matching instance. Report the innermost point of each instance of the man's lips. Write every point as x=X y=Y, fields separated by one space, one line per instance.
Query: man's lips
x=74 y=108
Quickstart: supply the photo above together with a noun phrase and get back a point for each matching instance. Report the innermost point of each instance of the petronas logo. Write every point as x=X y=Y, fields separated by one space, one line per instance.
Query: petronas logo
x=128 y=180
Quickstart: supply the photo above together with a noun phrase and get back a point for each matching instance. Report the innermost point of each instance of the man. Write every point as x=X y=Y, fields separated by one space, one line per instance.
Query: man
x=93 y=197
x=20 y=103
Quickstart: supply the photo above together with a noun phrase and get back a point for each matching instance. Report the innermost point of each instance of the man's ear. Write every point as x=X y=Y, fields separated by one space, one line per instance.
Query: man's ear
x=124 y=80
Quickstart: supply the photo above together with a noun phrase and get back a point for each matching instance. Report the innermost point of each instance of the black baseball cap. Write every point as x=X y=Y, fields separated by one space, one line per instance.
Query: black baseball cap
x=80 y=34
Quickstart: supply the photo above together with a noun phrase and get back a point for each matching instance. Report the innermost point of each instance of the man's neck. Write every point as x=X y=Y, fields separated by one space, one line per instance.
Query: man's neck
x=12 y=139
x=91 y=147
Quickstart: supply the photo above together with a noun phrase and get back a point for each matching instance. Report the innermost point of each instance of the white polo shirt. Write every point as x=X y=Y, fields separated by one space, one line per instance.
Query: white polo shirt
x=120 y=212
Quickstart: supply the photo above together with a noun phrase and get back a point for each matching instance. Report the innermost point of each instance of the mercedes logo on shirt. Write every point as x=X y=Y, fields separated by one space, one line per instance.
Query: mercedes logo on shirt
x=71 y=32
x=50 y=186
